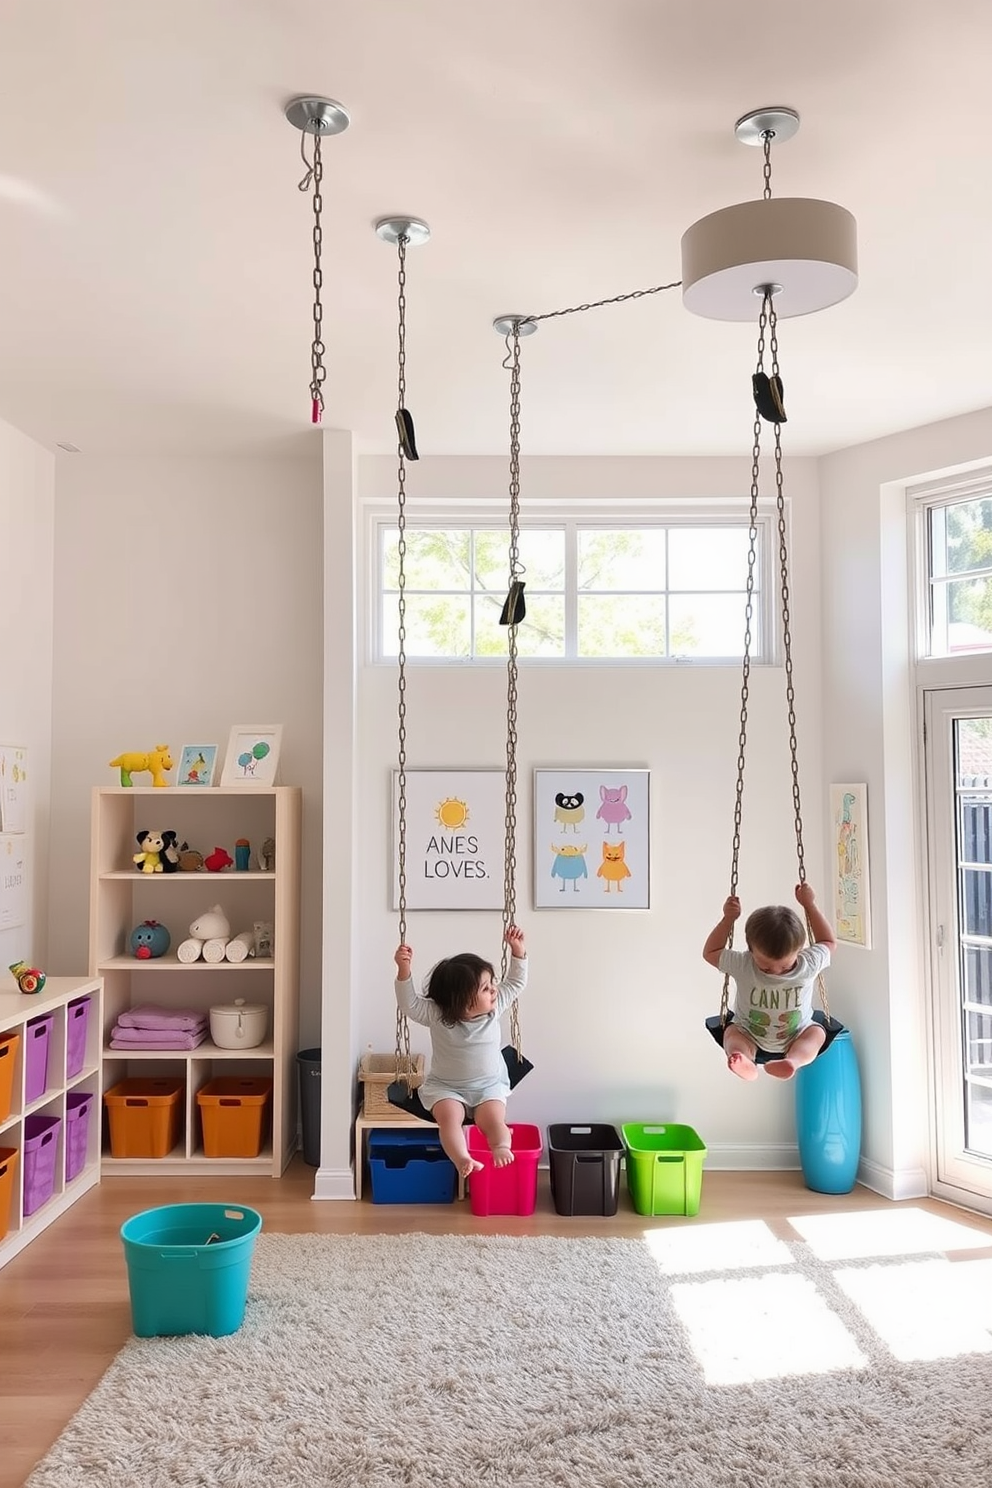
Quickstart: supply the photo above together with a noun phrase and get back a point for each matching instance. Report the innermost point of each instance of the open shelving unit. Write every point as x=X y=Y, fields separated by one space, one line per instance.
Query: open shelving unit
x=17 y=1011
x=122 y=897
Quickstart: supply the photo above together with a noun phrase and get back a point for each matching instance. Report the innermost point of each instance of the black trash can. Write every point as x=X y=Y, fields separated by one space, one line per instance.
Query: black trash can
x=308 y=1063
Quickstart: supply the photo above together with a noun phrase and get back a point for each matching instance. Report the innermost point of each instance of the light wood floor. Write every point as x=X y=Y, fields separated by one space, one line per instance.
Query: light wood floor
x=64 y=1308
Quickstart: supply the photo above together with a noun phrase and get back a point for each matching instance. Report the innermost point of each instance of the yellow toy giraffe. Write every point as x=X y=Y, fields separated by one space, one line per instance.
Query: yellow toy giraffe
x=157 y=760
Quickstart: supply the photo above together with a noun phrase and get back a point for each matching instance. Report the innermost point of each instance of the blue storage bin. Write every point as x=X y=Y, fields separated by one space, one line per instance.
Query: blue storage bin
x=828 y=1118
x=188 y=1267
x=410 y=1167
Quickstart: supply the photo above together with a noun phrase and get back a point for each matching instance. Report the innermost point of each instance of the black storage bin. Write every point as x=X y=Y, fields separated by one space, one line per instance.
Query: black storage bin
x=308 y=1064
x=585 y=1168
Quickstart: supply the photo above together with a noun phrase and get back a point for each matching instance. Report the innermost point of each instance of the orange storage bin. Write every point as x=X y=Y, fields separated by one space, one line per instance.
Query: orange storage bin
x=8 y=1168
x=144 y=1116
x=9 y=1044
x=234 y=1114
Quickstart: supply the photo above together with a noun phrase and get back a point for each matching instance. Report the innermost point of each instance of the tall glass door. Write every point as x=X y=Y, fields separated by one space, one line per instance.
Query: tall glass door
x=959 y=810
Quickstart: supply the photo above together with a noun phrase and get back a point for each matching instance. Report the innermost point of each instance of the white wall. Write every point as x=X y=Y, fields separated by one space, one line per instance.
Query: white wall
x=188 y=598
x=26 y=537
x=871 y=734
x=613 y=1017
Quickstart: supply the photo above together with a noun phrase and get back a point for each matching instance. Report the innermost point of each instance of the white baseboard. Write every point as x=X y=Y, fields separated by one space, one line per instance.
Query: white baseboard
x=780 y=1157
x=906 y=1183
x=334 y=1183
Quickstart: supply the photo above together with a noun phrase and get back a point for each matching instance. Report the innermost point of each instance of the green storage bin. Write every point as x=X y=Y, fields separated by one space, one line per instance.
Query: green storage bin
x=664 y=1167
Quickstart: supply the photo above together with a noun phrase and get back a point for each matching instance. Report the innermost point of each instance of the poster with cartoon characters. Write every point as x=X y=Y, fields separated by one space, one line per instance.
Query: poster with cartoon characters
x=591 y=839
x=454 y=839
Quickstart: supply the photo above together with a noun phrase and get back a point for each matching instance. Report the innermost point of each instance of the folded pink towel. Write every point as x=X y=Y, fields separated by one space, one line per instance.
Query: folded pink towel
x=154 y=1038
x=187 y=1020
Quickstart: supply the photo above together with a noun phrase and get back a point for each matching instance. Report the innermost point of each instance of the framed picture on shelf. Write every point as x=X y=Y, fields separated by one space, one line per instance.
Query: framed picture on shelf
x=591 y=839
x=252 y=754
x=197 y=764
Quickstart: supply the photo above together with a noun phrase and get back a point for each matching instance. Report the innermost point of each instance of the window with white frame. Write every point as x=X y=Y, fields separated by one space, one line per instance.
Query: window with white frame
x=670 y=590
x=957 y=558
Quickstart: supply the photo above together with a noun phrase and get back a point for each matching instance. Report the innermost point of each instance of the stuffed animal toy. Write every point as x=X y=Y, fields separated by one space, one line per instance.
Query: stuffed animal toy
x=156 y=761
x=28 y=978
x=208 y=937
x=170 y=853
x=152 y=845
x=217 y=860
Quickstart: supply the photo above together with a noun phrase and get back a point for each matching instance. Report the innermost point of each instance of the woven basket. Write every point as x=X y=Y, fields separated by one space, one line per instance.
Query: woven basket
x=378 y=1071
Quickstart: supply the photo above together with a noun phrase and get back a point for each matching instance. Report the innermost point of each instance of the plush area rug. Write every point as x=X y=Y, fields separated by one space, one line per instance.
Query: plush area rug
x=687 y=1358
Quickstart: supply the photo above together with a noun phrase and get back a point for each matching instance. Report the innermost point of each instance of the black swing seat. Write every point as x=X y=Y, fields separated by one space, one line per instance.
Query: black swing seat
x=400 y=1095
x=717 y=1027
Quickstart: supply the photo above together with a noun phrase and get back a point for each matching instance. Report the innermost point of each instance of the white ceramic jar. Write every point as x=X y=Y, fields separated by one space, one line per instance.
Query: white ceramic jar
x=238 y=1024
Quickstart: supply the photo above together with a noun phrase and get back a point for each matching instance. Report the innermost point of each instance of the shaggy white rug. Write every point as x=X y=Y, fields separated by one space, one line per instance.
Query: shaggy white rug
x=702 y=1355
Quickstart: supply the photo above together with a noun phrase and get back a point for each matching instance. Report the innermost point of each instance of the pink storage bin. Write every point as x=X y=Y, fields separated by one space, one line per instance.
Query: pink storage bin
x=509 y=1190
x=37 y=1038
x=77 y=1125
x=41 y=1145
x=77 y=1016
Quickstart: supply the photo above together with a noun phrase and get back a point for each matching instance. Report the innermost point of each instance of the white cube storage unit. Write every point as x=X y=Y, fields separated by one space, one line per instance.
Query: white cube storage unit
x=123 y=897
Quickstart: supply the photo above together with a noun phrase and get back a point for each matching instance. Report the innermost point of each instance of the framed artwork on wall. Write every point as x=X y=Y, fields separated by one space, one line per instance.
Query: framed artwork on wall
x=13 y=788
x=252 y=754
x=454 y=839
x=591 y=839
x=197 y=764
x=852 y=893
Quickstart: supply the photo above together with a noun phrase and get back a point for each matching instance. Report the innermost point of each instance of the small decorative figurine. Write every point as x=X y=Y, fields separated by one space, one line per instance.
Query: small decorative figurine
x=152 y=845
x=190 y=861
x=157 y=761
x=267 y=856
x=242 y=855
x=28 y=978
x=219 y=859
x=149 y=939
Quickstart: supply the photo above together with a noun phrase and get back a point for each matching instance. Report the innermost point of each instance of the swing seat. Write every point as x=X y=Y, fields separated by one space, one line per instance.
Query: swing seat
x=831 y=1027
x=400 y=1095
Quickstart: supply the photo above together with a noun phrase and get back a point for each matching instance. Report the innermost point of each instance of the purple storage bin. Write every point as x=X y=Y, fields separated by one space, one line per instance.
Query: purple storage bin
x=37 y=1037
x=77 y=1125
x=41 y=1145
x=77 y=1015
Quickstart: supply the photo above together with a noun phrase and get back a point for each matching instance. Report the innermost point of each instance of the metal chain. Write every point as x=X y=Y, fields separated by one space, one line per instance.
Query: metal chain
x=404 y=1059
x=767 y=138
x=510 y=815
x=315 y=174
x=634 y=294
x=746 y=664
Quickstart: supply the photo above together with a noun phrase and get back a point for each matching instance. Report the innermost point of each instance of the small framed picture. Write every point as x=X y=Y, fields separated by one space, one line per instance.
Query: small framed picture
x=197 y=764
x=252 y=754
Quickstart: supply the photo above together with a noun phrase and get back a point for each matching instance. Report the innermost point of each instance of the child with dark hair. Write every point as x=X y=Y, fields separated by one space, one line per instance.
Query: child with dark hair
x=775 y=977
x=462 y=1005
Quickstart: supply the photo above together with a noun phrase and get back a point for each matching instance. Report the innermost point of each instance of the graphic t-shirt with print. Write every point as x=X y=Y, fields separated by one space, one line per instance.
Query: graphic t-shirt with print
x=773 y=1009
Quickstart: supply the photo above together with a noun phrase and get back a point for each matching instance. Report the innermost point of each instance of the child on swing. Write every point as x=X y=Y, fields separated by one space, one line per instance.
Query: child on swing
x=462 y=1005
x=775 y=977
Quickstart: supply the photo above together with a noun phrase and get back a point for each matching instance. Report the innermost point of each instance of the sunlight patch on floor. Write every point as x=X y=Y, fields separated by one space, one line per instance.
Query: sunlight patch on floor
x=774 y=1327
x=923 y=1309
x=884 y=1232
x=733 y=1246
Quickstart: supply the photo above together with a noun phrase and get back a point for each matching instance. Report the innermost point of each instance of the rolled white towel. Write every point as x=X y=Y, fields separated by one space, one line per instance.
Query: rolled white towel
x=213 y=950
x=241 y=946
x=189 y=950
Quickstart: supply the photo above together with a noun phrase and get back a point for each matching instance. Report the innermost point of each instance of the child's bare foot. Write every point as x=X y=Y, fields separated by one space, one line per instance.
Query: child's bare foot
x=739 y=1064
x=780 y=1069
x=467 y=1166
x=502 y=1155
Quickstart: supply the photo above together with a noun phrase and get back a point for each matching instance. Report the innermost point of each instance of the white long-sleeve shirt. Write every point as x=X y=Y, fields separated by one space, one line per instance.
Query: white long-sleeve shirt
x=469 y=1054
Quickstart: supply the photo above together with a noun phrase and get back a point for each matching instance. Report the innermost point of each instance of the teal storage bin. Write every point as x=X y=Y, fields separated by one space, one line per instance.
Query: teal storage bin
x=188 y=1267
x=664 y=1167
x=828 y=1118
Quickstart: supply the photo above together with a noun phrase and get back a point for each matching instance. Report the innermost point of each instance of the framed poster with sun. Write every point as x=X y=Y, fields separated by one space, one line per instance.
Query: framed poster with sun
x=454 y=839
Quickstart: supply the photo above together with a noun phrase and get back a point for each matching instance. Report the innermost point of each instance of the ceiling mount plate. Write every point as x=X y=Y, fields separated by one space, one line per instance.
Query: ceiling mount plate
x=317 y=115
x=523 y=324
x=391 y=229
x=780 y=123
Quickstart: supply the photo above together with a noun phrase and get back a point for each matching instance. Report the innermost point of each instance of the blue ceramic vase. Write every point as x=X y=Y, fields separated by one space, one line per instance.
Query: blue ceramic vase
x=828 y=1118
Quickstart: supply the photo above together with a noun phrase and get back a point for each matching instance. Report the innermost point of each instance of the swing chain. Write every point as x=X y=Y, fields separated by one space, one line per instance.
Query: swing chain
x=404 y=1059
x=633 y=294
x=766 y=139
x=510 y=817
x=315 y=174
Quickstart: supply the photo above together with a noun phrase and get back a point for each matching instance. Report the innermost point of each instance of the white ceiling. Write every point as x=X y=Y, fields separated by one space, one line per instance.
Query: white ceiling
x=155 y=253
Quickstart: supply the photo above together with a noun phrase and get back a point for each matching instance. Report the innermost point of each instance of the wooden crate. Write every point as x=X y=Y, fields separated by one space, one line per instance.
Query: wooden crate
x=378 y=1071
